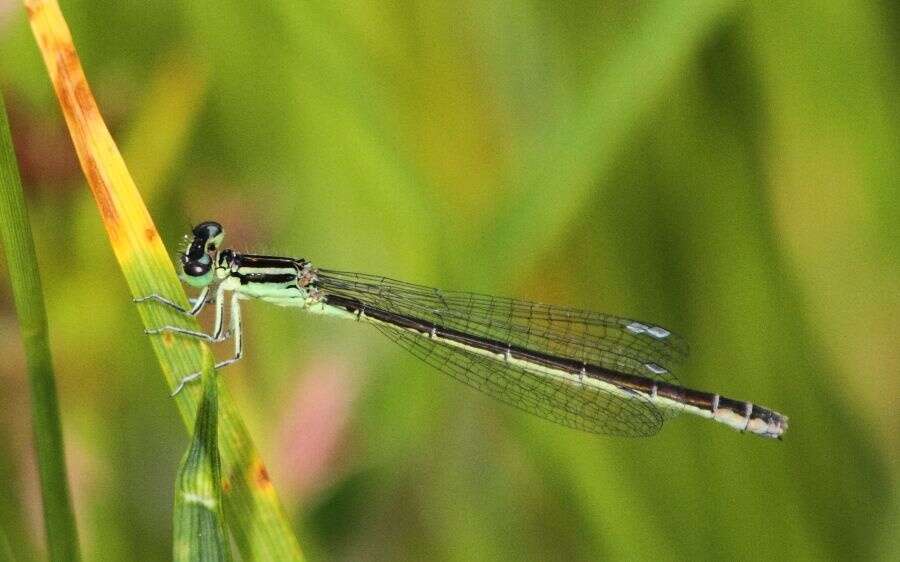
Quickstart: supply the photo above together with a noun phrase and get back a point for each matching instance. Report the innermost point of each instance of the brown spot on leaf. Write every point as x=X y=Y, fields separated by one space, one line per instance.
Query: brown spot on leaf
x=226 y=485
x=67 y=82
x=69 y=57
x=62 y=91
x=150 y=234
x=261 y=475
x=100 y=190
x=85 y=98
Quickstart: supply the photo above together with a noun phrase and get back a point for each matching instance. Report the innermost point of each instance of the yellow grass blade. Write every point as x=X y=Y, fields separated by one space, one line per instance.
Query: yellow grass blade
x=252 y=509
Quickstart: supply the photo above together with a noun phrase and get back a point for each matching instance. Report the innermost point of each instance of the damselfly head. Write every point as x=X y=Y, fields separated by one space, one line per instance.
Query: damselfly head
x=198 y=258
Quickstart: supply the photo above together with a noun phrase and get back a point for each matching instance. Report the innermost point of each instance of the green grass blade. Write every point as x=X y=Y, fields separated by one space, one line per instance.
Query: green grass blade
x=59 y=520
x=199 y=520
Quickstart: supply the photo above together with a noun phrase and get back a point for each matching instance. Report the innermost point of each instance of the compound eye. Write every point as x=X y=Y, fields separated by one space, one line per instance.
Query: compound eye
x=207 y=230
x=199 y=267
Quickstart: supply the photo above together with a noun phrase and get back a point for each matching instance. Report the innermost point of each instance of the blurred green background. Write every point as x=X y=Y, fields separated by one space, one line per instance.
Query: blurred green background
x=725 y=170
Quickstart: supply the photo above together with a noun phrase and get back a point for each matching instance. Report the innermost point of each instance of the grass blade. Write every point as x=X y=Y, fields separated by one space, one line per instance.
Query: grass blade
x=255 y=516
x=59 y=520
x=199 y=521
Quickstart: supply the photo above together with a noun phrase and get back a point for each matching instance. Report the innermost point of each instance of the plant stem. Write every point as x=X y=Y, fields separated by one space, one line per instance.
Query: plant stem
x=59 y=520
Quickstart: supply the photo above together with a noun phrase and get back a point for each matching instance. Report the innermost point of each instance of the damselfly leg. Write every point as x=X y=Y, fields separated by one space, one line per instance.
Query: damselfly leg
x=219 y=333
x=197 y=303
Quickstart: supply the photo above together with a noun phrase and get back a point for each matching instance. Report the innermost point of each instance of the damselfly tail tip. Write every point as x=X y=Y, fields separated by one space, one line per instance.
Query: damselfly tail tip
x=748 y=417
x=767 y=423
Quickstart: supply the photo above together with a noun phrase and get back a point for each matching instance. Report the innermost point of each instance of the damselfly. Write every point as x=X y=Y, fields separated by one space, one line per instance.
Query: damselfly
x=589 y=371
